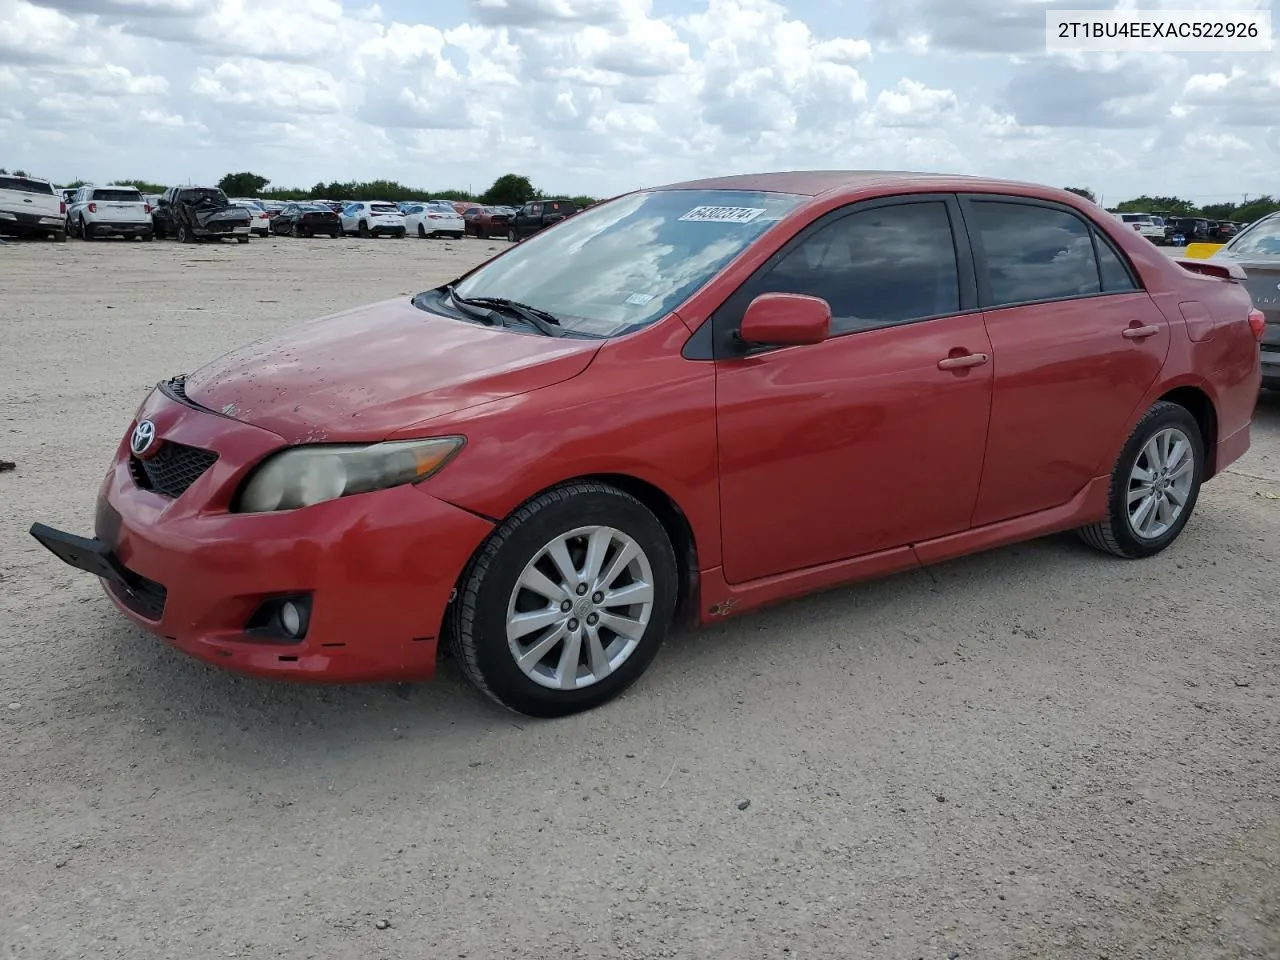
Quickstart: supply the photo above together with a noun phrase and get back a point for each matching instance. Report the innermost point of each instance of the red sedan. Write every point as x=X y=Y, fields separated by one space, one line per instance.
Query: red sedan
x=685 y=402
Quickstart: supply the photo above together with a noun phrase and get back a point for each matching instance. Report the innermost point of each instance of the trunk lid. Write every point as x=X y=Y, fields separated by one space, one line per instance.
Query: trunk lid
x=367 y=373
x=1262 y=281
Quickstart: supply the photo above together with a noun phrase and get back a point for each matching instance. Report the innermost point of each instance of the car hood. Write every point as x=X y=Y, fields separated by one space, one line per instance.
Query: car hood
x=366 y=373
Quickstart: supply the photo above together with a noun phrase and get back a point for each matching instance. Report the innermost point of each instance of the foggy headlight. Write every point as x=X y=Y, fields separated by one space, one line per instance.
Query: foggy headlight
x=302 y=476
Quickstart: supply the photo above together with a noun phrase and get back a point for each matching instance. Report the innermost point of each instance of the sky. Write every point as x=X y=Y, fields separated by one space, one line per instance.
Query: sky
x=602 y=96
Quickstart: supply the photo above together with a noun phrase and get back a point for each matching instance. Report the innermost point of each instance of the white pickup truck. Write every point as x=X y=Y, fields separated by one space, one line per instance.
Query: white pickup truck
x=103 y=211
x=30 y=207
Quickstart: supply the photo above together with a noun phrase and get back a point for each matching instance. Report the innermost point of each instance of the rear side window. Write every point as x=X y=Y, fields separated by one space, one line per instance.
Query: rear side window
x=1116 y=277
x=1034 y=253
x=119 y=196
x=876 y=267
x=23 y=185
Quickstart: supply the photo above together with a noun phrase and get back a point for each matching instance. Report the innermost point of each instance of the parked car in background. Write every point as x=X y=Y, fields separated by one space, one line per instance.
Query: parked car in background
x=486 y=222
x=538 y=215
x=30 y=207
x=306 y=220
x=375 y=218
x=259 y=219
x=433 y=219
x=548 y=461
x=1145 y=225
x=192 y=213
x=97 y=212
x=68 y=193
x=1192 y=229
x=1257 y=250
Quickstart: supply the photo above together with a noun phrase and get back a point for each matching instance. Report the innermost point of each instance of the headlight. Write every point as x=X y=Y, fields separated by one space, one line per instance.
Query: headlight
x=302 y=476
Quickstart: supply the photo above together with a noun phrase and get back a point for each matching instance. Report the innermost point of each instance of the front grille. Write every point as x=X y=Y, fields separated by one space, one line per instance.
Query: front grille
x=144 y=597
x=171 y=471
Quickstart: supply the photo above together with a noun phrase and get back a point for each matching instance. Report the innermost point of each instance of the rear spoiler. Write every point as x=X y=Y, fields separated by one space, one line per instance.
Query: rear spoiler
x=1222 y=269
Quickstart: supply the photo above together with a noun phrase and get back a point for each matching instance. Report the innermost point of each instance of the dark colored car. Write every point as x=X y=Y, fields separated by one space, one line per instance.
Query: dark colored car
x=702 y=399
x=1192 y=229
x=190 y=214
x=306 y=220
x=486 y=222
x=538 y=215
x=1256 y=248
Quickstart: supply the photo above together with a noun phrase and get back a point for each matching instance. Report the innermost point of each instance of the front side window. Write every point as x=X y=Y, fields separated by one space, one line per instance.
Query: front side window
x=875 y=267
x=623 y=264
x=1034 y=253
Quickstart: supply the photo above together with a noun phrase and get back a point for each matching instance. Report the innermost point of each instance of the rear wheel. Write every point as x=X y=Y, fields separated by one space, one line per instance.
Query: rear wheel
x=242 y=239
x=364 y=229
x=334 y=235
x=511 y=236
x=148 y=236
x=422 y=232
x=567 y=602
x=86 y=231
x=1154 y=485
x=184 y=234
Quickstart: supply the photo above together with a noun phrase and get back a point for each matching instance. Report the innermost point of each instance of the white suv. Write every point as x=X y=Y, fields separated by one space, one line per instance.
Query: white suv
x=1144 y=223
x=371 y=218
x=103 y=211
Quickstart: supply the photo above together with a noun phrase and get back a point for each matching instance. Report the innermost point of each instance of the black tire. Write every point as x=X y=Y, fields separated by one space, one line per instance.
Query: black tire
x=481 y=233
x=512 y=237
x=86 y=231
x=477 y=618
x=1115 y=534
x=422 y=232
x=148 y=236
x=184 y=234
x=69 y=227
x=364 y=229
x=335 y=234
x=60 y=236
x=242 y=239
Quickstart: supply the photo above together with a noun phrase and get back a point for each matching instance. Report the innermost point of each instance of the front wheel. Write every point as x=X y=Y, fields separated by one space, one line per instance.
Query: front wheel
x=364 y=229
x=1154 y=485
x=567 y=602
x=422 y=232
x=511 y=236
x=86 y=231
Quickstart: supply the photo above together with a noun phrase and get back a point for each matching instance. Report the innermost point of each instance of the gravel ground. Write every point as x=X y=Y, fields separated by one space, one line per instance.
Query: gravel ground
x=1034 y=752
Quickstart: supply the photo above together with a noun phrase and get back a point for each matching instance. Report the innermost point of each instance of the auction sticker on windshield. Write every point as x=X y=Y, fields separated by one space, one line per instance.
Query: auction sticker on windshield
x=723 y=214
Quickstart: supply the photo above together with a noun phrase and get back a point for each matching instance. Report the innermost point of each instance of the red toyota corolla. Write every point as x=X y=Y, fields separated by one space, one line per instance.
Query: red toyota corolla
x=687 y=401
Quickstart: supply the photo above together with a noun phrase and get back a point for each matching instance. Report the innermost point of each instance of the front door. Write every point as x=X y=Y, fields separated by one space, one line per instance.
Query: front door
x=1078 y=345
x=875 y=438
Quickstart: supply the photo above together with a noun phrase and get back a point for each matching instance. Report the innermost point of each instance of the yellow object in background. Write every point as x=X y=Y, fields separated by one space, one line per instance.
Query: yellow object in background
x=1201 y=251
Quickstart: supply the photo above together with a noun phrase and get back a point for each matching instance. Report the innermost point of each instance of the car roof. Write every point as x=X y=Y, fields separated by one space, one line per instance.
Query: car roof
x=815 y=183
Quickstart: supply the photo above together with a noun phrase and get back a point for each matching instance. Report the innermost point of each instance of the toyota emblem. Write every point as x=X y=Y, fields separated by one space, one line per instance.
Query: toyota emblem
x=144 y=436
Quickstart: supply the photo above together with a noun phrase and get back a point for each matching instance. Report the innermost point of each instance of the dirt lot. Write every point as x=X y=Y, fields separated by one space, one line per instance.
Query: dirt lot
x=1037 y=752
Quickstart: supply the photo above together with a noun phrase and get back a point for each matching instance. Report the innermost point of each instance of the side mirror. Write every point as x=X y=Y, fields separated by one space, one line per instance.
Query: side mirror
x=786 y=319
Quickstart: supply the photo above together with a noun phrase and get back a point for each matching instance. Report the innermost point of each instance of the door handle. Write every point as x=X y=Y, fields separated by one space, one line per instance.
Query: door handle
x=1140 y=333
x=961 y=363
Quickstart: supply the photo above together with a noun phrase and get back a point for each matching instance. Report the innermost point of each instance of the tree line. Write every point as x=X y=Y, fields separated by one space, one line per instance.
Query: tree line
x=1244 y=212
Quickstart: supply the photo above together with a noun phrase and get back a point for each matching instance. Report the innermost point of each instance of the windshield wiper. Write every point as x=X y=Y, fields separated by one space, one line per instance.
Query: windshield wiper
x=469 y=308
x=540 y=320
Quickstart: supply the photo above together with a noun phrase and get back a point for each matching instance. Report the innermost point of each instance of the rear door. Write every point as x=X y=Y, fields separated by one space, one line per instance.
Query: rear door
x=1077 y=344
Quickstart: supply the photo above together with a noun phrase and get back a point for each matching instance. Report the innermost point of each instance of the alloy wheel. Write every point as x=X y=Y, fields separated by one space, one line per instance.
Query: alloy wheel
x=580 y=608
x=1160 y=483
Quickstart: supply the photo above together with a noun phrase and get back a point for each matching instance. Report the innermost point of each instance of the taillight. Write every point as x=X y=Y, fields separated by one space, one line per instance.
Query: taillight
x=62 y=206
x=147 y=208
x=1137 y=227
x=1257 y=323
x=93 y=208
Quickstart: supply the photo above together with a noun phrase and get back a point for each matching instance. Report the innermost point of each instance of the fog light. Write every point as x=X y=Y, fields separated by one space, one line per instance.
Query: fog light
x=291 y=618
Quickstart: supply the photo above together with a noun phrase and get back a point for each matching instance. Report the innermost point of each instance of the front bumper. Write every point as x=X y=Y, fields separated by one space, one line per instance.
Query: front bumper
x=379 y=567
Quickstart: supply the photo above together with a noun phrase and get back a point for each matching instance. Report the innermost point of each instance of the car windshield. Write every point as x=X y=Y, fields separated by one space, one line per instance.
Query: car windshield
x=1260 y=240
x=623 y=264
x=23 y=185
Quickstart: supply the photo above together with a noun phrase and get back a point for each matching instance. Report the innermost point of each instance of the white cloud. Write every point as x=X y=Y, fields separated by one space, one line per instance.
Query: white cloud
x=599 y=96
